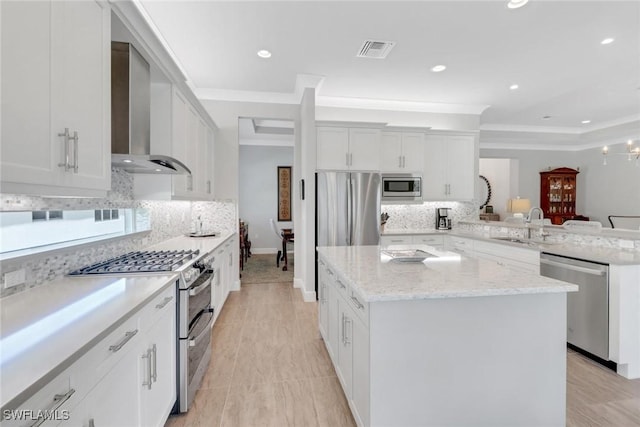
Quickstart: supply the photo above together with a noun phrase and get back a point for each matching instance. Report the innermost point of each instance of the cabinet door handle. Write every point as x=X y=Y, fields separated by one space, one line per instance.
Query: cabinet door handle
x=58 y=401
x=399 y=161
x=75 y=138
x=66 y=165
x=346 y=337
x=357 y=303
x=164 y=302
x=404 y=161
x=342 y=285
x=208 y=187
x=343 y=323
x=350 y=159
x=127 y=336
x=92 y=423
x=147 y=382
x=346 y=158
x=154 y=376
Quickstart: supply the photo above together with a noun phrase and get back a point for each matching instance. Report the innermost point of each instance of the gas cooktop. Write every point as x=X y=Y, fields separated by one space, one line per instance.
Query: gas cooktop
x=140 y=262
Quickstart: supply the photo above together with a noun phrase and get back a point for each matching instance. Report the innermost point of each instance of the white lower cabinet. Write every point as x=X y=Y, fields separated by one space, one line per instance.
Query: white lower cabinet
x=127 y=379
x=157 y=375
x=344 y=327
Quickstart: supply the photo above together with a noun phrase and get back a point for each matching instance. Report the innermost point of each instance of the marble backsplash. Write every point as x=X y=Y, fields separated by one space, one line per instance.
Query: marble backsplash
x=168 y=219
x=423 y=216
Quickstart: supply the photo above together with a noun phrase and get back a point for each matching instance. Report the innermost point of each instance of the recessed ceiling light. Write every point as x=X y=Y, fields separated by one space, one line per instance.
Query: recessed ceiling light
x=438 y=68
x=514 y=87
x=514 y=4
x=158 y=170
x=608 y=40
x=264 y=53
x=127 y=161
x=546 y=117
x=584 y=122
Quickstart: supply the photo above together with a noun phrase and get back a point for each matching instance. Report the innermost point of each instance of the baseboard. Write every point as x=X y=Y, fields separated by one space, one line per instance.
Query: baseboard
x=308 y=296
x=262 y=251
x=235 y=286
x=297 y=283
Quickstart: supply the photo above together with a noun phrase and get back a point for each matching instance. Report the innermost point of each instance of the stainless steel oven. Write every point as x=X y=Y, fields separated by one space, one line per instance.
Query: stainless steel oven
x=194 y=314
x=194 y=329
x=401 y=188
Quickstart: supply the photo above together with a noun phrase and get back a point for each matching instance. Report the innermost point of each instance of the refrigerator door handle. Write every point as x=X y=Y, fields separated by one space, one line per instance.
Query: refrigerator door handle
x=349 y=211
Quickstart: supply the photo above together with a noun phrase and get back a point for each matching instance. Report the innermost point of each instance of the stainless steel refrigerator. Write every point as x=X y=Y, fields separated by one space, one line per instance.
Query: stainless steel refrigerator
x=347 y=208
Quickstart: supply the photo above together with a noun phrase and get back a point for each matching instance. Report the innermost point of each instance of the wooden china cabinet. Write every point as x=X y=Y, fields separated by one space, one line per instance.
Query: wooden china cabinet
x=558 y=194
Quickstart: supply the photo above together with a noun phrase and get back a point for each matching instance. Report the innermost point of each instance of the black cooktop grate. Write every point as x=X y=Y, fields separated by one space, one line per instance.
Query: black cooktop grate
x=140 y=262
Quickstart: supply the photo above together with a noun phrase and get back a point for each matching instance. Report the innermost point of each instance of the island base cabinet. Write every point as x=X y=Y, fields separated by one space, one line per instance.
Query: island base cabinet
x=481 y=361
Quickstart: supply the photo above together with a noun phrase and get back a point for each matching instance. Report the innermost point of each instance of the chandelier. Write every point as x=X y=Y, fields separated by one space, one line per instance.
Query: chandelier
x=631 y=153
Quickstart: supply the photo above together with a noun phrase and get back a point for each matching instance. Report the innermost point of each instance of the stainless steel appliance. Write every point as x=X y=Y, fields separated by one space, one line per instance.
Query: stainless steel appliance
x=401 y=188
x=194 y=311
x=587 y=309
x=131 y=116
x=443 y=222
x=347 y=209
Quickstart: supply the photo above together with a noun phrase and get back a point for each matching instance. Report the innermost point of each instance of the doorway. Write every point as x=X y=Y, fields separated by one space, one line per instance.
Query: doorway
x=266 y=159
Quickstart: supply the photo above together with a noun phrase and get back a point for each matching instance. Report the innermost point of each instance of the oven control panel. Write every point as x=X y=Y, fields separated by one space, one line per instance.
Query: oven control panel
x=190 y=274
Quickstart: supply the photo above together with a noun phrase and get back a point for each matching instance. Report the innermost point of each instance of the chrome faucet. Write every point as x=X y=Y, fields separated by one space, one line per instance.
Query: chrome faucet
x=528 y=220
x=535 y=208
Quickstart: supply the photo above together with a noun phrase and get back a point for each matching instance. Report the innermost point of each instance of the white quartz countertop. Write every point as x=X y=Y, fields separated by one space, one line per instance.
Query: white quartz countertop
x=204 y=244
x=375 y=280
x=604 y=255
x=45 y=329
x=404 y=231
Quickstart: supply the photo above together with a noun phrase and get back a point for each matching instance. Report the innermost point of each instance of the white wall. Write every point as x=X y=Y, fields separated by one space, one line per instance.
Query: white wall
x=602 y=190
x=502 y=175
x=259 y=192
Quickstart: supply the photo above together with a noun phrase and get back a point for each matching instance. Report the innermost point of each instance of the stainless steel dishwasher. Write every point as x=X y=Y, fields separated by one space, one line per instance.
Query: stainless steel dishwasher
x=587 y=309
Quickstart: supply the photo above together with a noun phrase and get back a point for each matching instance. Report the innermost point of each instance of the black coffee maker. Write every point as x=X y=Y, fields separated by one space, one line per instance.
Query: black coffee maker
x=443 y=222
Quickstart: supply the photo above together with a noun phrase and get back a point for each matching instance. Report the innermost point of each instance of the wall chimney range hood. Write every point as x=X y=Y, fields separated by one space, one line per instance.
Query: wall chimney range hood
x=130 y=116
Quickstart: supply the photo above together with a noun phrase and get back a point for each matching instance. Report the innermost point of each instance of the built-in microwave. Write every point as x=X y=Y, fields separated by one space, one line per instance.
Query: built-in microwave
x=401 y=187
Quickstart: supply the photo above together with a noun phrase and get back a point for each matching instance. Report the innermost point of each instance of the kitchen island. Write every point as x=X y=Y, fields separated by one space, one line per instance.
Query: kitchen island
x=449 y=341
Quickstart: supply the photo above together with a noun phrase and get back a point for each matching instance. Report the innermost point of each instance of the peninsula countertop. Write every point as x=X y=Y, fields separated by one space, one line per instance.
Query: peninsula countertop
x=377 y=279
x=47 y=328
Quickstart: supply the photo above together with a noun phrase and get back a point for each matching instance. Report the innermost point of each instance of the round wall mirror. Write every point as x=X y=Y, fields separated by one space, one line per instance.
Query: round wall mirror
x=484 y=191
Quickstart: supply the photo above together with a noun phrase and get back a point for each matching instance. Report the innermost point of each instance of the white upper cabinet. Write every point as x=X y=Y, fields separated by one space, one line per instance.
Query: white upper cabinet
x=402 y=152
x=56 y=117
x=179 y=131
x=341 y=148
x=451 y=167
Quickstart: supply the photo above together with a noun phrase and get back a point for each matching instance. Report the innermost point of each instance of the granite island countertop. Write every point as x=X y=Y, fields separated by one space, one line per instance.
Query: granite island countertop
x=377 y=279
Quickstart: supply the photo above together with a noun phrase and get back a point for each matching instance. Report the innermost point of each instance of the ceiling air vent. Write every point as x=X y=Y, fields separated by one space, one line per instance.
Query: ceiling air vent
x=375 y=49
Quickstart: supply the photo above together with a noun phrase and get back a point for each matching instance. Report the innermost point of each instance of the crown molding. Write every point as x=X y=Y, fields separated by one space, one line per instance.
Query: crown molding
x=268 y=142
x=531 y=129
x=413 y=106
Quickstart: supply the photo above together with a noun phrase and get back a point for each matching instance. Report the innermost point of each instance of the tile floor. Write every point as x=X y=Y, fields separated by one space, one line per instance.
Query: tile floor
x=270 y=368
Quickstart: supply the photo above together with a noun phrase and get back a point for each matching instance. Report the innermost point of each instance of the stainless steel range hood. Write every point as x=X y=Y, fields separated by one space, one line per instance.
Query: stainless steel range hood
x=130 y=116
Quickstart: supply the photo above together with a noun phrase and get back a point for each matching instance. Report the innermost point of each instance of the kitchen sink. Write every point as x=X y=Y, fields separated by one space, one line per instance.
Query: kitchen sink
x=512 y=239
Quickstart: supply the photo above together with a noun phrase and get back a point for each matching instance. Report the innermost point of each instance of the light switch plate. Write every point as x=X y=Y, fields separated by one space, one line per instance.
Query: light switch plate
x=14 y=278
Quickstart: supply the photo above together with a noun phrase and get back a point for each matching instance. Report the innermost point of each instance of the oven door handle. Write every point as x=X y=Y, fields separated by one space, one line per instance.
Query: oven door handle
x=196 y=340
x=195 y=291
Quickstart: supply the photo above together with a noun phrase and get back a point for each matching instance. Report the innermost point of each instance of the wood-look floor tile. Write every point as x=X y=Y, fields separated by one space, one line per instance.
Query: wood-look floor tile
x=306 y=310
x=253 y=405
x=331 y=406
x=296 y=398
x=232 y=313
x=220 y=370
x=268 y=333
x=208 y=407
x=276 y=311
x=225 y=336
x=308 y=329
x=318 y=359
